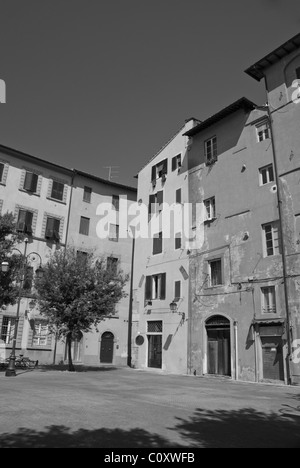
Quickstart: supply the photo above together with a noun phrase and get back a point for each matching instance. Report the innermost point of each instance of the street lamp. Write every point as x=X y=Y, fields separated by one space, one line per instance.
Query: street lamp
x=11 y=369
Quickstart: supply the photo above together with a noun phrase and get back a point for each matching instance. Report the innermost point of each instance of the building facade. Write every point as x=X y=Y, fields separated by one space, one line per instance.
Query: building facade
x=55 y=208
x=161 y=262
x=237 y=311
x=280 y=71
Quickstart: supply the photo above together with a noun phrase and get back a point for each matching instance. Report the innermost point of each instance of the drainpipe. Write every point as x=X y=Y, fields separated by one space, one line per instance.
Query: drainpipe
x=281 y=227
x=235 y=324
x=129 y=339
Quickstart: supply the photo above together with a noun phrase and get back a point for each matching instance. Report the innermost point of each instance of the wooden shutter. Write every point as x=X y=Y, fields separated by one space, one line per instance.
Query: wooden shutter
x=148 y=288
x=163 y=287
x=174 y=163
x=151 y=203
x=5 y=173
x=178 y=241
x=165 y=166
x=160 y=199
x=56 y=226
x=153 y=174
x=157 y=244
x=28 y=222
x=177 y=290
x=65 y=195
x=49 y=191
x=31 y=181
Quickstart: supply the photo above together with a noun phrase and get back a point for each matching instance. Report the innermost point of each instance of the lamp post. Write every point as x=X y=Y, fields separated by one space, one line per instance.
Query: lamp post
x=11 y=369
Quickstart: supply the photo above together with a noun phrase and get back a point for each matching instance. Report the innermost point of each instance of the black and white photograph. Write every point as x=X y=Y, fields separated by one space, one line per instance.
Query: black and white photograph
x=149 y=226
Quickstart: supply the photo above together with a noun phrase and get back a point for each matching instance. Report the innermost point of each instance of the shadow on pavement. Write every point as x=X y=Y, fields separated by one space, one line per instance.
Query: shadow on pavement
x=245 y=428
x=62 y=437
x=78 y=368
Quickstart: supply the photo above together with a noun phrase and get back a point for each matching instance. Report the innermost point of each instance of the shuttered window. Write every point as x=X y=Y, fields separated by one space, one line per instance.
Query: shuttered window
x=176 y=162
x=40 y=334
x=24 y=223
x=157 y=244
x=216 y=277
x=159 y=170
x=272 y=241
x=84 y=226
x=57 y=190
x=178 y=241
x=87 y=194
x=8 y=329
x=52 y=229
x=177 y=290
x=155 y=287
x=31 y=181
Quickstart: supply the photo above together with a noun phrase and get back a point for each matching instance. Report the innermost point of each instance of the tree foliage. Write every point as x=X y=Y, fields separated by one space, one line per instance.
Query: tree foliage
x=9 y=238
x=75 y=293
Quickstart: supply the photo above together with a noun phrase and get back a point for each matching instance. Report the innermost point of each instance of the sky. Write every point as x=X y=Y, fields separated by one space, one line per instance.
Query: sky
x=98 y=83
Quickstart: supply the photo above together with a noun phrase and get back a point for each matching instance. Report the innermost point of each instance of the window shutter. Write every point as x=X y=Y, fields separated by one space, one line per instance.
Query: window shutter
x=174 y=163
x=151 y=203
x=178 y=241
x=157 y=244
x=177 y=290
x=28 y=222
x=163 y=287
x=34 y=222
x=148 y=288
x=178 y=196
x=160 y=198
x=153 y=174
x=56 y=229
x=165 y=166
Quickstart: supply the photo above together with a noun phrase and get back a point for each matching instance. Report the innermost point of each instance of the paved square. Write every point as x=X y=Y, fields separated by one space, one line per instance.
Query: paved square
x=116 y=408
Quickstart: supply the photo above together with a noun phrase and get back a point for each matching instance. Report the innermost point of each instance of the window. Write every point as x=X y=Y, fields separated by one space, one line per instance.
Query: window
x=157 y=243
x=178 y=196
x=57 y=191
x=211 y=152
x=178 y=241
x=272 y=243
x=28 y=279
x=84 y=227
x=210 y=209
x=113 y=232
x=159 y=170
x=155 y=326
x=31 y=181
x=216 y=277
x=266 y=174
x=1 y=171
x=263 y=131
x=24 y=223
x=268 y=300
x=155 y=287
x=52 y=229
x=116 y=202
x=40 y=333
x=112 y=265
x=155 y=203
x=177 y=291
x=176 y=162
x=8 y=329
x=87 y=194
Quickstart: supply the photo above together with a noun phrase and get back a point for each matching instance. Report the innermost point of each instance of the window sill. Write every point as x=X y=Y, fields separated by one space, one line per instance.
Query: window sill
x=56 y=200
x=35 y=194
x=39 y=348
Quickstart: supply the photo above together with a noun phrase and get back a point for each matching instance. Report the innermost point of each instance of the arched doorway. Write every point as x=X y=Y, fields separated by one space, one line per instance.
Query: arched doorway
x=219 y=346
x=107 y=348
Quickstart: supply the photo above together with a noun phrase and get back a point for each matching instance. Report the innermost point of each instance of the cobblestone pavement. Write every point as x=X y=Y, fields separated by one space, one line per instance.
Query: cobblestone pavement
x=116 y=408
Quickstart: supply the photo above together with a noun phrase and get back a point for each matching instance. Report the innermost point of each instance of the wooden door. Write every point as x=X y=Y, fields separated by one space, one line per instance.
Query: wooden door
x=155 y=351
x=107 y=348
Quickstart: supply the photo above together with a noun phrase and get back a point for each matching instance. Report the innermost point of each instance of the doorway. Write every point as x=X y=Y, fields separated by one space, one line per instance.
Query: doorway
x=155 y=351
x=219 y=346
x=107 y=348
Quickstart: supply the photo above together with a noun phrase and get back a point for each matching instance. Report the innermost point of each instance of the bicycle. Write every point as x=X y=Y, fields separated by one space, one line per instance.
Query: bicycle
x=25 y=362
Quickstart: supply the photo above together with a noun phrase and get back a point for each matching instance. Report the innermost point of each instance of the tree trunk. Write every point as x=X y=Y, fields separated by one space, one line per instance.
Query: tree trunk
x=69 y=346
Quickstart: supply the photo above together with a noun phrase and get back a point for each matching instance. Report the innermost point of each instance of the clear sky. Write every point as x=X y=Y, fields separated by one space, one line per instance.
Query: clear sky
x=95 y=83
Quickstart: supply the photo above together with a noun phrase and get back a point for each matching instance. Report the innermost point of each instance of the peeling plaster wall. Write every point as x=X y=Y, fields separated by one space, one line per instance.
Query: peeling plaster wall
x=243 y=206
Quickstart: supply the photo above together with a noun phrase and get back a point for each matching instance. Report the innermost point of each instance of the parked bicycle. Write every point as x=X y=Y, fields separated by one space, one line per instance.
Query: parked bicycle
x=21 y=362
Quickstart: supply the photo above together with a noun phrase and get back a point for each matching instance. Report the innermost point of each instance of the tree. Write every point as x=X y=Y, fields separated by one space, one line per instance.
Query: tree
x=76 y=292
x=9 y=238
